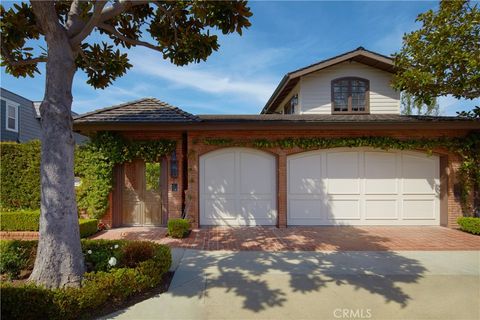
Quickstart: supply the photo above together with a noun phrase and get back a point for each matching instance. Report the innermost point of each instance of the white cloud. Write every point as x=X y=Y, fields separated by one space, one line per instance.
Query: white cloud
x=204 y=79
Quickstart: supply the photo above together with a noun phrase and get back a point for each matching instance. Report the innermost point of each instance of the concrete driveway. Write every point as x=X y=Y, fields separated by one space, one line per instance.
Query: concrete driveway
x=317 y=285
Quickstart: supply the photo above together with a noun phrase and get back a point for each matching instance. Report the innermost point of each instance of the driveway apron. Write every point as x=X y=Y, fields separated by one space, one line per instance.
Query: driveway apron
x=317 y=285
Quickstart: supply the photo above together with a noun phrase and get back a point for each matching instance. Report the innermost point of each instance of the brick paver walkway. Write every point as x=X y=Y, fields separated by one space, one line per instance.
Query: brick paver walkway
x=375 y=238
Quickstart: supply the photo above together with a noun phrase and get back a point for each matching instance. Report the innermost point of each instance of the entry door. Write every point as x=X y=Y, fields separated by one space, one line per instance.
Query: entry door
x=141 y=194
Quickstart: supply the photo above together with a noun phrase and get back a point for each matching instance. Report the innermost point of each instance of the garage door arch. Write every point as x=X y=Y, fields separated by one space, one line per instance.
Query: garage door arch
x=363 y=186
x=238 y=187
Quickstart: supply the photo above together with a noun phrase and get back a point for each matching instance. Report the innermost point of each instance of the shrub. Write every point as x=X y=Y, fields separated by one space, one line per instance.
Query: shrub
x=87 y=227
x=469 y=224
x=136 y=252
x=98 y=288
x=97 y=253
x=19 y=175
x=15 y=256
x=178 y=228
x=27 y=302
x=20 y=220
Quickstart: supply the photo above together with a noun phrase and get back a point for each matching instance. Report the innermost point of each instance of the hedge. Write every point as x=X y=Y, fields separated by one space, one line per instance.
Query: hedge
x=29 y=221
x=469 y=224
x=19 y=175
x=20 y=220
x=98 y=289
x=178 y=228
x=88 y=227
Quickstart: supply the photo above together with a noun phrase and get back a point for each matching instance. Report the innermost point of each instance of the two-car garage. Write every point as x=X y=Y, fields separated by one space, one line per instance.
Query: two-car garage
x=352 y=186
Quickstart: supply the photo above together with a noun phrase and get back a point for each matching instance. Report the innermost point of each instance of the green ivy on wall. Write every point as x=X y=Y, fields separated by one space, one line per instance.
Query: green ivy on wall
x=468 y=148
x=95 y=161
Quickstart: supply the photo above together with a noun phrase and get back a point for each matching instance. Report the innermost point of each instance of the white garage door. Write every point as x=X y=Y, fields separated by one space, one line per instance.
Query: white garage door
x=363 y=187
x=237 y=187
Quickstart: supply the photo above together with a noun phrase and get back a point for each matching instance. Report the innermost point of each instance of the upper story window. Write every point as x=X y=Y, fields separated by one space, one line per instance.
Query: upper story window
x=350 y=95
x=291 y=106
x=11 y=117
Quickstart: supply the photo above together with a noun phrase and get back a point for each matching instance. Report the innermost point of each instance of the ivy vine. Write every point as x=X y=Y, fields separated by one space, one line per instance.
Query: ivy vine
x=468 y=148
x=94 y=163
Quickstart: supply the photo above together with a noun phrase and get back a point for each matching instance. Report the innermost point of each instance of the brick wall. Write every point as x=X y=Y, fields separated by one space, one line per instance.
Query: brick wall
x=196 y=148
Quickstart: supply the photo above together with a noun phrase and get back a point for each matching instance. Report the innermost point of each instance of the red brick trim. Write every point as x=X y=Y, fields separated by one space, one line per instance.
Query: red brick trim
x=19 y=235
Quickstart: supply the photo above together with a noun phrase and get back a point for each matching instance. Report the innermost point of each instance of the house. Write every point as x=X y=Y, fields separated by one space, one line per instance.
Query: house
x=281 y=167
x=20 y=119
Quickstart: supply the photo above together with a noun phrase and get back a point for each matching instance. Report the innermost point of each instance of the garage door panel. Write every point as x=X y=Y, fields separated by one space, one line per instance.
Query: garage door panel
x=340 y=209
x=306 y=175
x=220 y=208
x=380 y=173
x=219 y=174
x=364 y=186
x=305 y=209
x=418 y=174
x=258 y=212
x=415 y=209
x=379 y=209
x=343 y=173
x=237 y=188
x=255 y=173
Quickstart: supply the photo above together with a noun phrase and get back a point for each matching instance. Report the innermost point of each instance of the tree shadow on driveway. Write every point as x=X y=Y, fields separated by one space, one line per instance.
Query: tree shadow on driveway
x=253 y=275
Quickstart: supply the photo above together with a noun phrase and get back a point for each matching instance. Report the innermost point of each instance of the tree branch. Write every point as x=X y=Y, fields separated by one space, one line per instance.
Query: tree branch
x=74 y=23
x=118 y=7
x=126 y=39
x=16 y=63
x=92 y=22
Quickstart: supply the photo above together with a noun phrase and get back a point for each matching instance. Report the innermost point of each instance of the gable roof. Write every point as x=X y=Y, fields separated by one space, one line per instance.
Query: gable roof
x=142 y=110
x=361 y=55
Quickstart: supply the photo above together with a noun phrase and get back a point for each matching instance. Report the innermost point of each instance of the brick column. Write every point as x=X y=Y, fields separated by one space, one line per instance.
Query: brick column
x=282 y=190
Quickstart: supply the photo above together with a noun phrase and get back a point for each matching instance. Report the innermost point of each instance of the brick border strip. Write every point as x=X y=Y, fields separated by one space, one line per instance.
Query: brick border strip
x=18 y=235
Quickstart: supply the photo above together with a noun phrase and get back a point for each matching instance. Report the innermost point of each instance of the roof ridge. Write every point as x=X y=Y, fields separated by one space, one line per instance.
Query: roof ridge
x=340 y=55
x=116 y=106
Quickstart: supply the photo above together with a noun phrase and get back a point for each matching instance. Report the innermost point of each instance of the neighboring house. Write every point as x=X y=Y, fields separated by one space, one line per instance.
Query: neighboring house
x=20 y=119
x=234 y=183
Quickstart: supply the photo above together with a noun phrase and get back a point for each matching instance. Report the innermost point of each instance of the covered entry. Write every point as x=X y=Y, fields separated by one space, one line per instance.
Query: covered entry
x=238 y=187
x=363 y=187
x=142 y=193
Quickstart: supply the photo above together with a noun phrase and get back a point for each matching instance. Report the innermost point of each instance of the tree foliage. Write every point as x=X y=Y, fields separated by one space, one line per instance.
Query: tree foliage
x=474 y=113
x=412 y=105
x=442 y=57
x=183 y=31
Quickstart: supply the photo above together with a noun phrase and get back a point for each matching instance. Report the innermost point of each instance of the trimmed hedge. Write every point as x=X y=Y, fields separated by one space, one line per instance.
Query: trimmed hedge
x=178 y=228
x=98 y=288
x=29 y=221
x=88 y=227
x=469 y=224
x=20 y=220
x=19 y=175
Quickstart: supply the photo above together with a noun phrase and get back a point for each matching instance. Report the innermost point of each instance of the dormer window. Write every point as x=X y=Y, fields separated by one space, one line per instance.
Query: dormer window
x=291 y=106
x=350 y=95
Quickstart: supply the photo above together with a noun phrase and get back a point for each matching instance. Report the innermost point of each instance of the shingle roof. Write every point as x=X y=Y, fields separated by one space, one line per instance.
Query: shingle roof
x=143 y=110
x=328 y=118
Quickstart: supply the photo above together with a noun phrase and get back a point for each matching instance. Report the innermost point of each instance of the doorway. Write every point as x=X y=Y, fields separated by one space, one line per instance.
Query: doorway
x=142 y=193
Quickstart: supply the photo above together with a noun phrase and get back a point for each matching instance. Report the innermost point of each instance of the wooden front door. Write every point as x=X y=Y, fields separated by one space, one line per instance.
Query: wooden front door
x=142 y=194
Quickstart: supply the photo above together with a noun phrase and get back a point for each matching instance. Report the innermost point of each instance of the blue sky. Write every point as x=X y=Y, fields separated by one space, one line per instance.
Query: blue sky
x=242 y=75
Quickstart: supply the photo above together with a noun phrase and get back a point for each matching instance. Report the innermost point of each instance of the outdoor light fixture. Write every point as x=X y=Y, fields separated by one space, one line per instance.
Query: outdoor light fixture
x=173 y=165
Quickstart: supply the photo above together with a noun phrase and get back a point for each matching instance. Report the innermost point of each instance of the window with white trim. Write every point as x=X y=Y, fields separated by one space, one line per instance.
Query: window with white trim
x=11 y=117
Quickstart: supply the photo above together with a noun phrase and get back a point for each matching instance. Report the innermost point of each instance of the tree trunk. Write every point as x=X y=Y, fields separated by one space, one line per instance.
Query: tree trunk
x=59 y=261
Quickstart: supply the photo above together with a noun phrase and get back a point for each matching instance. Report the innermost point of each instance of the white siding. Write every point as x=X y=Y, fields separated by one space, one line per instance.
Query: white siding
x=315 y=89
